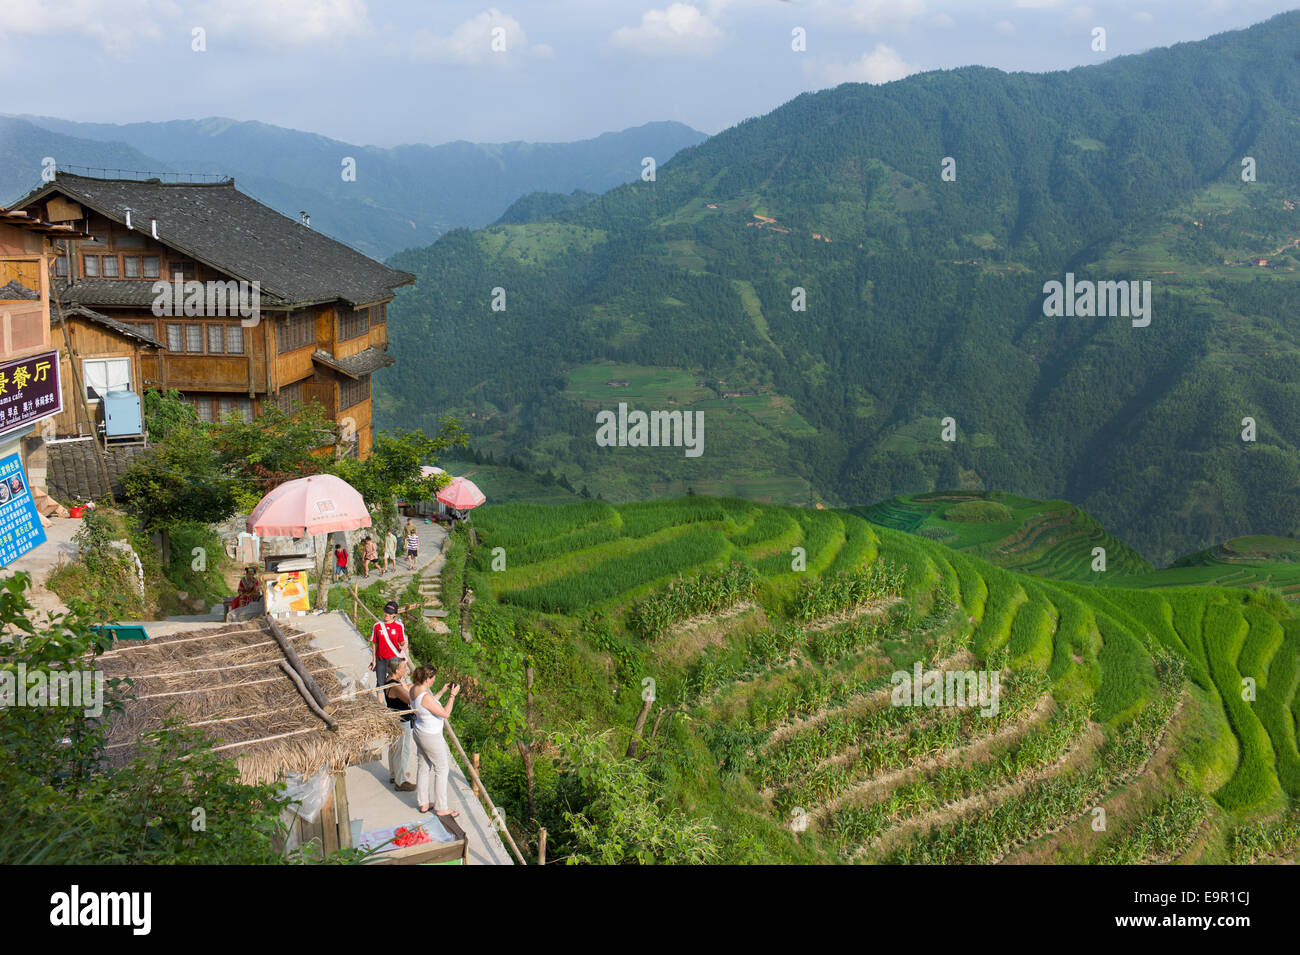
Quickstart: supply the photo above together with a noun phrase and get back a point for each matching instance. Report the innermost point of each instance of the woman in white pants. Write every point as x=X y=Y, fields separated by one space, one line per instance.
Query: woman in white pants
x=429 y=743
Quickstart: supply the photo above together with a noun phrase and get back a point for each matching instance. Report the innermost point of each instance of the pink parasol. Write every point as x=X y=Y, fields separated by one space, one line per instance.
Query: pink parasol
x=320 y=504
x=461 y=494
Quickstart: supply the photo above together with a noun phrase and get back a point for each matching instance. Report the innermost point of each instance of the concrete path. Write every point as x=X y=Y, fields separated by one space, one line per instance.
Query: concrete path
x=428 y=563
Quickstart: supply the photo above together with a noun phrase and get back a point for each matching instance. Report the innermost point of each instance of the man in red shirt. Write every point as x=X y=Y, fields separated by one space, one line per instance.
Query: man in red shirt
x=389 y=639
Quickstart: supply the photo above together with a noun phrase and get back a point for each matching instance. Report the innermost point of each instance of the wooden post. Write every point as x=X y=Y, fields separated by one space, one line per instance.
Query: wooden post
x=342 y=811
x=541 y=847
x=482 y=790
x=354 y=601
x=635 y=742
x=477 y=794
x=76 y=381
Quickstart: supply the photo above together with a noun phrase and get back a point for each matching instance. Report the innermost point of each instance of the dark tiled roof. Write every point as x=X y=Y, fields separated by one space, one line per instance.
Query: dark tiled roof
x=235 y=234
x=17 y=291
x=126 y=292
x=363 y=363
x=130 y=331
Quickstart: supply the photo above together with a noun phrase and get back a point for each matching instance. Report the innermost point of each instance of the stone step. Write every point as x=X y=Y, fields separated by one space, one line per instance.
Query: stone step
x=431 y=612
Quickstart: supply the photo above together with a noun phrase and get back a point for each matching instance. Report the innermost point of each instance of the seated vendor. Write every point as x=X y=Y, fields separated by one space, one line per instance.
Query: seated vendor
x=250 y=589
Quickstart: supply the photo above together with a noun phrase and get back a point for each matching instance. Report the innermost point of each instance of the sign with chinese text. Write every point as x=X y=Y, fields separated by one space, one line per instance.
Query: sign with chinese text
x=20 y=527
x=29 y=390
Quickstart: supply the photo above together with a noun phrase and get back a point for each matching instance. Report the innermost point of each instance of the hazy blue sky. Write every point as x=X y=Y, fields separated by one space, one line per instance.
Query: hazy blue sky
x=385 y=72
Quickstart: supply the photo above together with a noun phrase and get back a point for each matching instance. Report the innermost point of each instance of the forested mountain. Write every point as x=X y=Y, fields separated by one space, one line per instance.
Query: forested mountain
x=924 y=300
x=401 y=197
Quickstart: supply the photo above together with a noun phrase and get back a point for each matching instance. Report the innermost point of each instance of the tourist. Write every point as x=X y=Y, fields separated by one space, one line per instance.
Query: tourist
x=389 y=639
x=340 y=562
x=390 y=550
x=398 y=697
x=369 y=554
x=434 y=759
x=412 y=546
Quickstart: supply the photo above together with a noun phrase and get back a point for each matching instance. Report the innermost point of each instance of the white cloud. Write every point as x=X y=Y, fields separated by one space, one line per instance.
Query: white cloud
x=1143 y=17
x=881 y=65
x=119 y=26
x=943 y=21
x=1038 y=4
x=471 y=42
x=872 y=15
x=295 y=23
x=1081 y=13
x=679 y=28
x=1005 y=27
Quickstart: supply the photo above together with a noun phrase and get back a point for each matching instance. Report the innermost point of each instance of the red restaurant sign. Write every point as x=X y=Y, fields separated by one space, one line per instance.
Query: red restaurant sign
x=29 y=390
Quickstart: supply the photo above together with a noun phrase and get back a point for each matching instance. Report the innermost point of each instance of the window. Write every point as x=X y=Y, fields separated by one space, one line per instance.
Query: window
x=108 y=266
x=194 y=338
x=103 y=376
x=183 y=266
x=353 y=392
x=131 y=266
x=234 y=340
x=61 y=267
x=216 y=340
x=353 y=322
x=289 y=396
x=298 y=331
x=150 y=263
x=203 y=406
x=90 y=266
x=174 y=341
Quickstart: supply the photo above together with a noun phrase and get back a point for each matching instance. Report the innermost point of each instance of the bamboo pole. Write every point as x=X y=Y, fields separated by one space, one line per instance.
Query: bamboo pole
x=476 y=766
x=541 y=846
x=492 y=810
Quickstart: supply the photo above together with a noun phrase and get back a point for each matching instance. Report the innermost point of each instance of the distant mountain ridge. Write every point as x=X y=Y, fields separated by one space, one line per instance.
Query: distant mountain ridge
x=405 y=196
x=812 y=283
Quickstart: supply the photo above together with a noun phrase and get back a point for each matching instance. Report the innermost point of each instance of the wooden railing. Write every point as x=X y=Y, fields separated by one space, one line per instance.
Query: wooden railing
x=479 y=789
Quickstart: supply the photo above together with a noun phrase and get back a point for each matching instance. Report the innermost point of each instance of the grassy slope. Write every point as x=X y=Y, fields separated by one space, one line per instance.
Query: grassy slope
x=775 y=732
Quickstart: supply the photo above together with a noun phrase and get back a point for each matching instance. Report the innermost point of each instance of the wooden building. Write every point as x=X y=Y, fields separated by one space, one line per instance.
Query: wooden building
x=28 y=246
x=235 y=304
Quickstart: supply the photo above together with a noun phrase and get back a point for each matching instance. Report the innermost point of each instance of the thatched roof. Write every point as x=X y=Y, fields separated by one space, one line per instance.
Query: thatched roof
x=227 y=681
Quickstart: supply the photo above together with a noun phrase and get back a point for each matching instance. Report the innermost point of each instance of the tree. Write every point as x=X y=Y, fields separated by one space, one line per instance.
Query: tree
x=396 y=457
x=274 y=447
x=619 y=819
x=58 y=804
x=181 y=478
